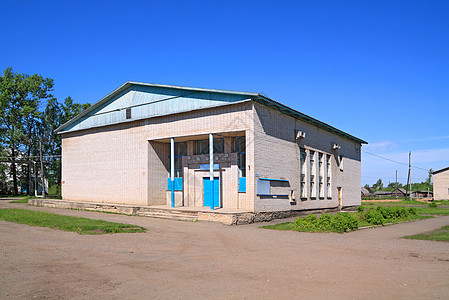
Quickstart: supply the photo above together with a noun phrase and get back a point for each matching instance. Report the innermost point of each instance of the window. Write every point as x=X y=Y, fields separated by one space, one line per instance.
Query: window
x=328 y=183
x=312 y=173
x=239 y=146
x=341 y=162
x=202 y=146
x=321 y=170
x=302 y=173
x=180 y=151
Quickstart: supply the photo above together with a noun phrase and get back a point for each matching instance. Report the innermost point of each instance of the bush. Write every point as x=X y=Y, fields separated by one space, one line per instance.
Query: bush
x=324 y=222
x=361 y=208
x=412 y=210
x=308 y=223
x=54 y=190
x=433 y=204
x=374 y=216
x=381 y=214
x=342 y=222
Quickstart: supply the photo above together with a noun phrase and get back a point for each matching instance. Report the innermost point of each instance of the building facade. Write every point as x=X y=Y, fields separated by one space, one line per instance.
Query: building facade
x=441 y=184
x=149 y=145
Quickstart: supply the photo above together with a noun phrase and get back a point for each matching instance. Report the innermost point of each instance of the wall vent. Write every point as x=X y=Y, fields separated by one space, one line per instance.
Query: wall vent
x=128 y=113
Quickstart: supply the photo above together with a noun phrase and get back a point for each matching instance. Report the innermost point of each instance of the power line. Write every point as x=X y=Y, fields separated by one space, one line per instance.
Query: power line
x=46 y=156
x=404 y=164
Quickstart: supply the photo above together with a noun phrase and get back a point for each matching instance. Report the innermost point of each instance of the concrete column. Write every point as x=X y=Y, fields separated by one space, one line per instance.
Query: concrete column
x=172 y=170
x=211 y=167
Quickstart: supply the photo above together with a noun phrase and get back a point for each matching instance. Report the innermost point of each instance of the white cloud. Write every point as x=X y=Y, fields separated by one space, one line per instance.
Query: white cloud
x=380 y=146
x=430 y=138
x=375 y=167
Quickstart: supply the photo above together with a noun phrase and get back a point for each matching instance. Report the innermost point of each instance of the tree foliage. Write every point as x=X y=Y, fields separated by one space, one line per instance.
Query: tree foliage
x=24 y=123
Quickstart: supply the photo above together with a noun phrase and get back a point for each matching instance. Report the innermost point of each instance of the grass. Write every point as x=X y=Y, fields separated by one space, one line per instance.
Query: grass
x=24 y=200
x=367 y=216
x=392 y=203
x=441 y=234
x=433 y=211
x=281 y=226
x=66 y=223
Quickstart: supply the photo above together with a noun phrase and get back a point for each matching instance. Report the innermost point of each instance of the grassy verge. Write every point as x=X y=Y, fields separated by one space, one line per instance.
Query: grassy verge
x=441 y=234
x=342 y=222
x=66 y=223
x=433 y=211
x=24 y=200
x=392 y=203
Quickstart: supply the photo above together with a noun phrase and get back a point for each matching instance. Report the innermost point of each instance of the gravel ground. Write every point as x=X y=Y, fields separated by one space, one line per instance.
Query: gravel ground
x=184 y=260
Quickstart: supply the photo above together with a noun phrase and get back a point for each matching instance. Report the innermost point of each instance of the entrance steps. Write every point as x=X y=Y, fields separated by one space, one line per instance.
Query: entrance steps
x=168 y=214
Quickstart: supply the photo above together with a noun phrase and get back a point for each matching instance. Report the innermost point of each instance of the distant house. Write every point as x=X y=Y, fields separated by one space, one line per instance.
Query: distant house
x=441 y=184
x=399 y=192
x=367 y=192
x=382 y=194
x=422 y=194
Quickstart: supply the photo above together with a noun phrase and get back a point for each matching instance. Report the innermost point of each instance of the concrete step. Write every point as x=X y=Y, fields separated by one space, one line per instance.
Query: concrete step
x=169 y=215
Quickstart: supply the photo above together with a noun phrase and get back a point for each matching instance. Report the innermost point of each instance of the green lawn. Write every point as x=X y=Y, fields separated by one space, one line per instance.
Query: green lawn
x=366 y=215
x=66 y=223
x=441 y=234
x=392 y=203
x=24 y=200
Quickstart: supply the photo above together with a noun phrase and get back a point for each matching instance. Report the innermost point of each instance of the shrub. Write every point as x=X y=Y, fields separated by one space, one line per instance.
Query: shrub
x=54 y=190
x=342 y=222
x=433 y=204
x=374 y=216
x=412 y=210
x=309 y=223
x=361 y=208
x=324 y=222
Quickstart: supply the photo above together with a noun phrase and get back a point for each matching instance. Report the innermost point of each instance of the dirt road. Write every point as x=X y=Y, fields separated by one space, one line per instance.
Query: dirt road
x=183 y=260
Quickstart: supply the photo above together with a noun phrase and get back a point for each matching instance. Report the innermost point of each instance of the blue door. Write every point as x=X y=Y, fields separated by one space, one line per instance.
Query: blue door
x=208 y=197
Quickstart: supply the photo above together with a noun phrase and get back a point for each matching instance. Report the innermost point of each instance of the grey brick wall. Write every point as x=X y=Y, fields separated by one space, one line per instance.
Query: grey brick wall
x=277 y=156
x=441 y=186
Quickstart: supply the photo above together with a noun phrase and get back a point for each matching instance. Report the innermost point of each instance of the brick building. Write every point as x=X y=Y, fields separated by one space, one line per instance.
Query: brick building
x=441 y=184
x=155 y=145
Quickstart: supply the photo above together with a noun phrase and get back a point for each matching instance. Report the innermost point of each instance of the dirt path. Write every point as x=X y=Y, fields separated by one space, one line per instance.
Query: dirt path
x=183 y=260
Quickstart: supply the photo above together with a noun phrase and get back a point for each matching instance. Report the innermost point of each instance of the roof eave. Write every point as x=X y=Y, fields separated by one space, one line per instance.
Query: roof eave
x=283 y=108
x=129 y=84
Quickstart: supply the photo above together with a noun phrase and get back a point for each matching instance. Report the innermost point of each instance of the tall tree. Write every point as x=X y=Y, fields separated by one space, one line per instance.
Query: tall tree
x=20 y=98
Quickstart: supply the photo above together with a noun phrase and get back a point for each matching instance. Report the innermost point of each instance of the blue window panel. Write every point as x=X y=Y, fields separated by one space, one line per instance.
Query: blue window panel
x=207 y=166
x=178 y=184
x=208 y=197
x=242 y=184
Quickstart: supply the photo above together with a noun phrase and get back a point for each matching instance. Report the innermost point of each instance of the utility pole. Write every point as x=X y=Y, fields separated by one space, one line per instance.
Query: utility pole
x=42 y=169
x=396 y=179
x=410 y=173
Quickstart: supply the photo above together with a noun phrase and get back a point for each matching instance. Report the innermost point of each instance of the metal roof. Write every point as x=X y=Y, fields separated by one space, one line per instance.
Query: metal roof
x=440 y=170
x=254 y=96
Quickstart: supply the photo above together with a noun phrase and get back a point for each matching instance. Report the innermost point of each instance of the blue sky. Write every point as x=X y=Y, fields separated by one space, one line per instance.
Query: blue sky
x=378 y=70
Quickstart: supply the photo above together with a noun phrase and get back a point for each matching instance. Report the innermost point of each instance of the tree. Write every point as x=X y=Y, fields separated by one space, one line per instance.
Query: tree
x=378 y=185
x=20 y=98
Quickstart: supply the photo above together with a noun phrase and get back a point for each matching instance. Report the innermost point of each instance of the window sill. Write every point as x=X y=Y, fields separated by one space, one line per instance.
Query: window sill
x=272 y=196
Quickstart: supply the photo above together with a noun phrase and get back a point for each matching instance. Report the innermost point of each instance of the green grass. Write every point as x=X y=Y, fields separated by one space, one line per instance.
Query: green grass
x=441 y=234
x=66 y=223
x=433 y=211
x=24 y=200
x=280 y=226
x=366 y=216
x=391 y=203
